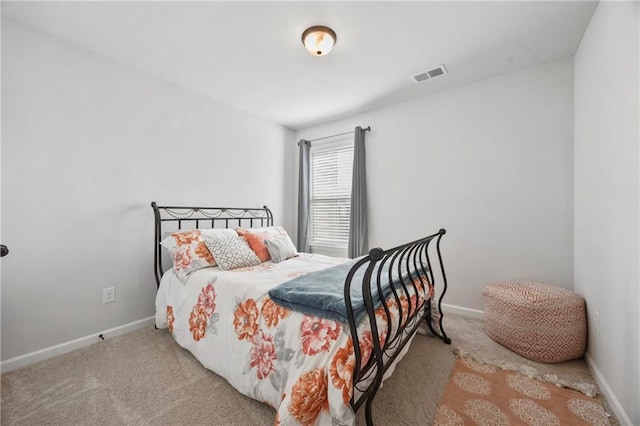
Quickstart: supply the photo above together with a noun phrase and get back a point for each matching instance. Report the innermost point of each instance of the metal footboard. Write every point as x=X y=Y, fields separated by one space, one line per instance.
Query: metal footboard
x=402 y=277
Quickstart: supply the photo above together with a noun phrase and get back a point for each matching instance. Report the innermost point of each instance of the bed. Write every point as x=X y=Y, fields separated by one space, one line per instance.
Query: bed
x=310 y=335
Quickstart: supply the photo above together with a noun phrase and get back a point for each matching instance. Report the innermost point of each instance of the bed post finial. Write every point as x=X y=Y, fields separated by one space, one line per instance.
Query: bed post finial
x=376 y=254
x=442 y=231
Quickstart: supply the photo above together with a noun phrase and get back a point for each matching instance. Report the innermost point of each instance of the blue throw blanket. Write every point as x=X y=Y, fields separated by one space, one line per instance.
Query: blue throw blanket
x=321 y=293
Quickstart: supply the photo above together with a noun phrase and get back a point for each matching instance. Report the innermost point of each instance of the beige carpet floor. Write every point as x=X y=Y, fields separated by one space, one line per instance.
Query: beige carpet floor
x=145 y=378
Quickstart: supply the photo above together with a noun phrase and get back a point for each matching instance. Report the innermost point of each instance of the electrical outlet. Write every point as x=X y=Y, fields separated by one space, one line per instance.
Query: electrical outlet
x=596 y=320
x=108 y=295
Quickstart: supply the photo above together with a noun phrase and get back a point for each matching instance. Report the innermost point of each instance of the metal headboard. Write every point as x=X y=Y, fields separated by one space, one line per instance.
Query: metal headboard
x=199 y=218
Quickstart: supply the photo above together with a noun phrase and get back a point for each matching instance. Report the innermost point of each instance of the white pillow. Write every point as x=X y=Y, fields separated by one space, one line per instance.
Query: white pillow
x=231 y=252
x=281 y=248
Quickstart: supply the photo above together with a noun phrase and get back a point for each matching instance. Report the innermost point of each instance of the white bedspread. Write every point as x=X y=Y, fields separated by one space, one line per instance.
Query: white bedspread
x=299 y=364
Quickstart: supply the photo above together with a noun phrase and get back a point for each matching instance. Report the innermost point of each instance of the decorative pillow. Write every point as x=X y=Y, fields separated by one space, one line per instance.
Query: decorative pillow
x=213 y=233
x=256 y=237
x=188 y=251
x=281 y=248
x=232 y=252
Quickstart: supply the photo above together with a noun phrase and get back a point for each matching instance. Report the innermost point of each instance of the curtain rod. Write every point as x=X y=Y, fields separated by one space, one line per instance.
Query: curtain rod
x=366 y=129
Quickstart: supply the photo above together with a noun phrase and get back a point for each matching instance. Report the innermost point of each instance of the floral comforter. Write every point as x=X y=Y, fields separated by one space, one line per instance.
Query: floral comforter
x=299 y=364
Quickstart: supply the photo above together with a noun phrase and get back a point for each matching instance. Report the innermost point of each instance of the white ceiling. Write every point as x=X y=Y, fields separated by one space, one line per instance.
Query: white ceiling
x=249 y=54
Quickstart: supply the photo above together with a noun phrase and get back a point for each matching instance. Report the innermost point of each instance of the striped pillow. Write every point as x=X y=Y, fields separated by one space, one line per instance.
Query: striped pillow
x=281 y=248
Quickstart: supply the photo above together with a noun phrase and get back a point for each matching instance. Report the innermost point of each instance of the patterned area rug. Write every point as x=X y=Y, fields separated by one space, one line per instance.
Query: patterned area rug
x=482 y=394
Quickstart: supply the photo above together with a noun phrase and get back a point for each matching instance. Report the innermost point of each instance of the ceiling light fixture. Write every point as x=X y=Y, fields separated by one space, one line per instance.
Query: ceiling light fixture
x=318 y=40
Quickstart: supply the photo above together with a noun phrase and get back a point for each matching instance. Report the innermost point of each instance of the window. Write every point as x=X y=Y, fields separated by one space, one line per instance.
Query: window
x=330 y=198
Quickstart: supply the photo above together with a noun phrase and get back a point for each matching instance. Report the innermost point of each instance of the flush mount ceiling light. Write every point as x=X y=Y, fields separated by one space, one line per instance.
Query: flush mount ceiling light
x=318 y=40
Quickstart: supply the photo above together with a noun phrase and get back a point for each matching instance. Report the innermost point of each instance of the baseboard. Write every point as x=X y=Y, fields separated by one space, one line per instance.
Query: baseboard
x=462 y=311
x=63 y=348
x=608 y=392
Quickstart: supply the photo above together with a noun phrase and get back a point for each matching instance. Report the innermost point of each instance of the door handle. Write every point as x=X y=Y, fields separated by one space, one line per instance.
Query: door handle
x=3 y=250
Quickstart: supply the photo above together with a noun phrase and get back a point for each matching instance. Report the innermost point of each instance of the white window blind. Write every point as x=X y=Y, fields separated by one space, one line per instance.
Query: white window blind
x=330 y=193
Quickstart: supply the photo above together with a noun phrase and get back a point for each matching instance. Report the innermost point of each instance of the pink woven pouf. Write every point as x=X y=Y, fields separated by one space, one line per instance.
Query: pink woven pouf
x=539 y=321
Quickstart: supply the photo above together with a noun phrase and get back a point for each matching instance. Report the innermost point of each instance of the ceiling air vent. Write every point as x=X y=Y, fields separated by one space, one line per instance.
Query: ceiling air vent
x=432 y=73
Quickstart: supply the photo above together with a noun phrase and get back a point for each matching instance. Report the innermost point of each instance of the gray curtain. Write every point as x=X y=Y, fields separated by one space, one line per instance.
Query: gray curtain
x=358 y=214
x=303 y=198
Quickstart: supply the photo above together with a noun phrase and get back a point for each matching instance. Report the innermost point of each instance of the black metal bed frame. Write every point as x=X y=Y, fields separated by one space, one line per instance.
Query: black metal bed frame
x=402 y=267
x=209 y=216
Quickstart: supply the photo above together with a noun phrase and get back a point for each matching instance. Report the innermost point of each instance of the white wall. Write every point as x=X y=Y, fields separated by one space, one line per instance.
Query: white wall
x=87 y=145
x=606 y=196
x=490 y=162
